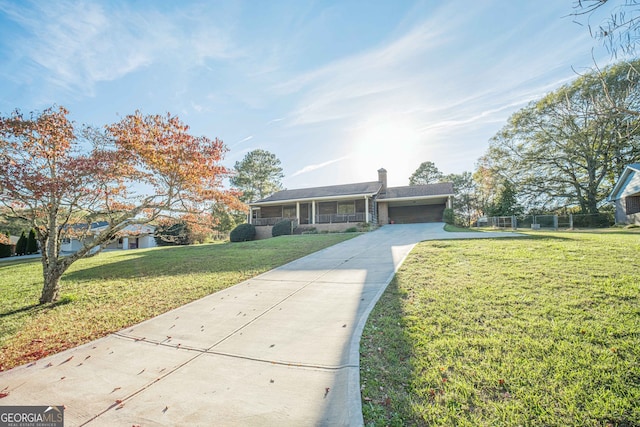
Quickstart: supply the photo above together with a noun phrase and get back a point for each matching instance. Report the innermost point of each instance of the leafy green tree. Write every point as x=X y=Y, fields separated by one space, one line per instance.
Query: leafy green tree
x=32 y=243
x=225 y=218
x=506 y=203
x=465 y=201
x=21 y=245
x=427 y=173
x=567 y=148
x=258 y=175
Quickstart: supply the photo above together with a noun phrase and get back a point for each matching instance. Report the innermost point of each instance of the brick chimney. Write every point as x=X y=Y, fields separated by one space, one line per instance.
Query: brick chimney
x=382 y=179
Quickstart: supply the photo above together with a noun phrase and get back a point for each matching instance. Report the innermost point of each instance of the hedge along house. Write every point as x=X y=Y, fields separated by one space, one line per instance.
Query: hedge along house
x=626 y=196
x=338 y=207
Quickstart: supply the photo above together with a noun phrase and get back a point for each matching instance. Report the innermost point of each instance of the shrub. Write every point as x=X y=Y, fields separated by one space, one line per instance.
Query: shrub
x=243 y=233
x=282 y=228
x=21 y=246
x=351 y=230
x=365 y=226
x=175 y=234
x=32 y=243
x=448 y=216
x=305 y=230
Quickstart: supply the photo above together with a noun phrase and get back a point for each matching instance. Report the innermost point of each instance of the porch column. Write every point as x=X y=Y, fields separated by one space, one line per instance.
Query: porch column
x=313 y=212
x=298 y=212
x=450 y=202
x=366 y=209
x=125 y=243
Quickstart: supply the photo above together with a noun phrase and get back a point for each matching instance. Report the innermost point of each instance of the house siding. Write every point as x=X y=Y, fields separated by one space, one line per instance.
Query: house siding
x=626 y=201
x=622 y=217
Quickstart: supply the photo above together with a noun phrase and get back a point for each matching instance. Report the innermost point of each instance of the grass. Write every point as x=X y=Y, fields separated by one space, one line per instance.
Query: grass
x=114 y=290
x=540 y=331
x=456 y=229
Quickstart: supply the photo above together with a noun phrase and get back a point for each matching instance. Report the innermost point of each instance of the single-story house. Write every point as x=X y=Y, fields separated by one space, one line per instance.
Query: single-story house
x=626 y=195
x=134 y=236
x=338 y=207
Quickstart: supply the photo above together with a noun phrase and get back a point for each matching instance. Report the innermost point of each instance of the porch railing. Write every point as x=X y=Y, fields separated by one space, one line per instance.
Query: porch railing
x=272 y=221
x=320 y=219
x=340 y=218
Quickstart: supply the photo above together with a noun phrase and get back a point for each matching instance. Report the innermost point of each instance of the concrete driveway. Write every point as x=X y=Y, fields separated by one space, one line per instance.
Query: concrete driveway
x=279 y=349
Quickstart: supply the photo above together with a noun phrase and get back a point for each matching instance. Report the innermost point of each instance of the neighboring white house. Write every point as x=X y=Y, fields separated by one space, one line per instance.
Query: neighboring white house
x=626 y=195
x=135 y=236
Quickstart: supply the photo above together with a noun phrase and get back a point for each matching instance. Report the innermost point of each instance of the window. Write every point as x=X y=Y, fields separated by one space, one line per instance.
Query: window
x=345 y=208
x=289 y=211
x=632 y=204
x=66 y=241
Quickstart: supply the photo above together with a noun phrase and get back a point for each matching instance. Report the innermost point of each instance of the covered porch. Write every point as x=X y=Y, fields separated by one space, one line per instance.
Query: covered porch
x=311 y=212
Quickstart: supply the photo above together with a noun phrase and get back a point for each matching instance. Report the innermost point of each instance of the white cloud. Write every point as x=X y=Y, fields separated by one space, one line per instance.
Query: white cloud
x=248 y=138
x=273 y=121
x=310 y=168
x=81 y=43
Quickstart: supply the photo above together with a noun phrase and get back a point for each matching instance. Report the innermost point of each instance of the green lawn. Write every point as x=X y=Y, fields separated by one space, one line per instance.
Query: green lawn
x=113 y=290
x=539 y=331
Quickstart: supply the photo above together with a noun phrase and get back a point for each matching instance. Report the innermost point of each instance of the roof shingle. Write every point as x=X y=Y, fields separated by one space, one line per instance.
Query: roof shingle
x=439 y=189
x=360 y=188
x=357 y=189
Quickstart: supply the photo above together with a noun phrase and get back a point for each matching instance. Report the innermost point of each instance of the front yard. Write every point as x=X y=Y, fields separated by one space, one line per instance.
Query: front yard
x=542 y=331
x=113 y=290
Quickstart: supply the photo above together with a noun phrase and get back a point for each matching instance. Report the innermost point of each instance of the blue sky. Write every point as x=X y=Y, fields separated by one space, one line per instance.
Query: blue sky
x=335 y=89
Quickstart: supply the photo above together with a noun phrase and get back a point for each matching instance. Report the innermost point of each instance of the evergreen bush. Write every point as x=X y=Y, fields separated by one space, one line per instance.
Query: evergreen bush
x=243 y=233
x=32 y=243
x=21 y=246
x=448 y=216
x=282 y=228
x=175 y=234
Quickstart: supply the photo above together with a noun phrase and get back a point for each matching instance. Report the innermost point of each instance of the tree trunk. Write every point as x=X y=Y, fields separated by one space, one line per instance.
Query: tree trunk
x=51 y=287
x=52 y=265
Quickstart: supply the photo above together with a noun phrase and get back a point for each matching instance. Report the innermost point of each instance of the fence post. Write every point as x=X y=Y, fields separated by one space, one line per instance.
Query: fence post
x=555 y=222
x=570 y=221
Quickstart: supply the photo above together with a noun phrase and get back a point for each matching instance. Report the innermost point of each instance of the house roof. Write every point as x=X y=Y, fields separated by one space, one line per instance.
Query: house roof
x=624 y=179
x=97 y=227
x=418 y=191
x=372 y=188
x=327 y=192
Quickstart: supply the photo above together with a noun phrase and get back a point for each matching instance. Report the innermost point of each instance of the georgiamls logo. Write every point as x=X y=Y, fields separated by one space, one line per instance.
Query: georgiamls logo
x=31 y=416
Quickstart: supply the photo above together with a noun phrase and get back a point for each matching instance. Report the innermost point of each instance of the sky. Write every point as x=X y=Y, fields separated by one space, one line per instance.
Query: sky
x=335 y=89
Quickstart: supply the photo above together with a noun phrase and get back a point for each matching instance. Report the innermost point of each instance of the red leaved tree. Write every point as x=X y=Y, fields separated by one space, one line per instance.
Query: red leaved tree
x=63 y=179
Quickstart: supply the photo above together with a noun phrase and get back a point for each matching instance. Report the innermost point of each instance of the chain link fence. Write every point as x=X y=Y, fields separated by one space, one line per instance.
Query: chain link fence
x=549 y=221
